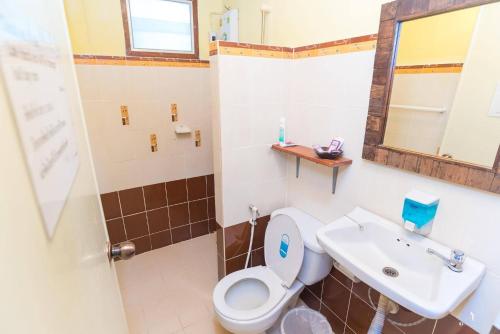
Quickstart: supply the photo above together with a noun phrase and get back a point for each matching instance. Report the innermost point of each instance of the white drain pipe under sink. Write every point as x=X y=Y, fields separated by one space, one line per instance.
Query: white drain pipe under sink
x=385 y=305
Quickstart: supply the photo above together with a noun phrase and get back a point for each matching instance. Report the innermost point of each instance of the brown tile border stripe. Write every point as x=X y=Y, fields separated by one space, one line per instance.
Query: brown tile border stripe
x=139 y=61
x=355 y=44
x=429 y=68
x=250 y=50
x=345 y=41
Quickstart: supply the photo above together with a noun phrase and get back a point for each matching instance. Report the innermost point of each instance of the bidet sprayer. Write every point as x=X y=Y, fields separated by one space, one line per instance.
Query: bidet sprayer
x=255 y=213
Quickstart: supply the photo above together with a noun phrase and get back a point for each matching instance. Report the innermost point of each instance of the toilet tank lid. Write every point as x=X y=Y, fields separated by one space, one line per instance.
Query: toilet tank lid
x=307 y=224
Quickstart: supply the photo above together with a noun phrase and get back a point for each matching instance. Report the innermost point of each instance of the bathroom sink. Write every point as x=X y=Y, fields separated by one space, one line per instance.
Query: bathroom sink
x=395 y=262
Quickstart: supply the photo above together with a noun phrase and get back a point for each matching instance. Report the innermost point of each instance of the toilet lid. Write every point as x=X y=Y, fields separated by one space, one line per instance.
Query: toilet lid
x=284 y=248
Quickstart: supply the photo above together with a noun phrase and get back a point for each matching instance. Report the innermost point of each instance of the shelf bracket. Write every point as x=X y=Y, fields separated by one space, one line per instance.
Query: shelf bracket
x=334 y=179
x=297 y=167
x=334 y=175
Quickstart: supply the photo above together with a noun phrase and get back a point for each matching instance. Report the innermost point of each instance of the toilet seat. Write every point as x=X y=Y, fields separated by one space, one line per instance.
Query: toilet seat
x=250 y=300
x=262 y=275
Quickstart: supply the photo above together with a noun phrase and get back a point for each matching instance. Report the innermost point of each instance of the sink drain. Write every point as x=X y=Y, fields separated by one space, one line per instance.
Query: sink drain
x=391 y=272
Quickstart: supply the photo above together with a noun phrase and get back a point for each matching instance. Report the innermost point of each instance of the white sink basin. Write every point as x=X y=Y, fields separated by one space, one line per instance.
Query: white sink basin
x=425 y=285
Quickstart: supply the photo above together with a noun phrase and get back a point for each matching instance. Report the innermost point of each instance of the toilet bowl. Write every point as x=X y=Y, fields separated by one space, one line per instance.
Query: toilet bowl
x=249 y=301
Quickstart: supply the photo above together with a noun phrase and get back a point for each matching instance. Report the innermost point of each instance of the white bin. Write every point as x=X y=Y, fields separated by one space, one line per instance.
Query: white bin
x=303 y=320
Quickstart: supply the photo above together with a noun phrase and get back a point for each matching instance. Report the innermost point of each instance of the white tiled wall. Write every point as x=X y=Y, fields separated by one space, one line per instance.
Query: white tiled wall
x=321 y=98
x=122 y=154
x=253 y=94
x=334 y=102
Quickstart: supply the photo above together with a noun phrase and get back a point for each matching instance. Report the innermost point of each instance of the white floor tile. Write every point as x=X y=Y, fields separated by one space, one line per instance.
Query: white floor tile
x=169 y=290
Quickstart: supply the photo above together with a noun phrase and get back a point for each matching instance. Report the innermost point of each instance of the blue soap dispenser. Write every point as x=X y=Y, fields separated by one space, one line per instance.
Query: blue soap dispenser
x=419 y=210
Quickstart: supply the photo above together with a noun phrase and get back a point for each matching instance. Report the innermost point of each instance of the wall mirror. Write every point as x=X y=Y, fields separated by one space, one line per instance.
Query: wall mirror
x=435 y=98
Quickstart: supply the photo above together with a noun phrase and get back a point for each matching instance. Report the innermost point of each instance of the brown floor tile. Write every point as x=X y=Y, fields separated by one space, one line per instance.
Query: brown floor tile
x=176 y=191
x=336 y=323
x=179 y=215
x=260 y=231
x=158 y=220
x=317 y=288
x=391 y=329
x=198 y=211
x=406 y=316
x=211 y=207
x=210 y=185
x=116 y=231
x=155 y=196
x=257 y=257
x=360 y=315
x=451 y=325
x=361 y=290
x=237 y=239
x=142 y=244
x=343 y=279
x=235 y=264
x=197 y=188
x=132 y=201
x=199 y=229
x=311 y=300
x=111 y=205
x=136 y=226
x=336 y=297
x=181 y=234
x=349 y=331
x=160 y=239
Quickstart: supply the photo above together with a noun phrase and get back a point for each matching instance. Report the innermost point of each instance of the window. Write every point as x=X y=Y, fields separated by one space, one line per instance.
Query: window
x=161 y=28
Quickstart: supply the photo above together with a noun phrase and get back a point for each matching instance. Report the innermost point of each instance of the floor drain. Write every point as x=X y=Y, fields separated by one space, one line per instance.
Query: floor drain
x=391 y=272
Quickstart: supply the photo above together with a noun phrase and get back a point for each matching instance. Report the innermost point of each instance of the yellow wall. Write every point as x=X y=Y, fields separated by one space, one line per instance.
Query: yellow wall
x=96 y=26
x=437 y=39
x=471 y=134
x=300 y=22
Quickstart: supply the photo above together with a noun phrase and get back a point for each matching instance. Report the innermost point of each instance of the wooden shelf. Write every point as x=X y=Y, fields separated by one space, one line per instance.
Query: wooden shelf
x=309 y=154
x=303 y=152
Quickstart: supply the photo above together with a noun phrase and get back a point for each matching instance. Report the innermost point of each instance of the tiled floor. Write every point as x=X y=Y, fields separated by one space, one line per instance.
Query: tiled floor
x=169 y=290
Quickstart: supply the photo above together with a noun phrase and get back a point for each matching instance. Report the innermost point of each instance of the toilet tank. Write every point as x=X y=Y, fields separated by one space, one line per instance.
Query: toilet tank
x=316 y=263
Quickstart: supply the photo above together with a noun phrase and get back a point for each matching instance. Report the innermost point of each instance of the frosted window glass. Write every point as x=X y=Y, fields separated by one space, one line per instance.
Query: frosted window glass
x=162 y=25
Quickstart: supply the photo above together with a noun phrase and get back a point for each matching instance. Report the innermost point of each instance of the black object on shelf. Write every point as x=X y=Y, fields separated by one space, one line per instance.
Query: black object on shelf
x=325 y=154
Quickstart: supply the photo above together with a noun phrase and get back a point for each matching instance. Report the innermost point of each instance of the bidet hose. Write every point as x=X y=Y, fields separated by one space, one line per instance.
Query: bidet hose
x=377 y=324
x=251 y=242
x=253 y=221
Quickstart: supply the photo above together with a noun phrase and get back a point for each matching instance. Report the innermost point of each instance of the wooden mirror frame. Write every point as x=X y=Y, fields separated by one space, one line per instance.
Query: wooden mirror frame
x=464 y=173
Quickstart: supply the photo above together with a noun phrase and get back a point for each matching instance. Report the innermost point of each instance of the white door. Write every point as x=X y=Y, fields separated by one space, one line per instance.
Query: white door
x=63 y=284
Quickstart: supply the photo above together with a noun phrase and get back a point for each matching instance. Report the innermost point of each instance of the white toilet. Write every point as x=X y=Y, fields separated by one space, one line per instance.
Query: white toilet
x=249 y=301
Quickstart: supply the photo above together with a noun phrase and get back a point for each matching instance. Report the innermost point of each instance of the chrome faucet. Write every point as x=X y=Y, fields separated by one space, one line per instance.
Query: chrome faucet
x=456 y=260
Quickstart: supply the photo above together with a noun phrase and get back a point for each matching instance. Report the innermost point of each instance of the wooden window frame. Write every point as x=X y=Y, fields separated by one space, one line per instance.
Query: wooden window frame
x=459 y=172
x=139 y=53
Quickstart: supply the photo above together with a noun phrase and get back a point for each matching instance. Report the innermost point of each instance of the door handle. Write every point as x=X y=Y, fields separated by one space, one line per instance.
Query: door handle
x=124 y=251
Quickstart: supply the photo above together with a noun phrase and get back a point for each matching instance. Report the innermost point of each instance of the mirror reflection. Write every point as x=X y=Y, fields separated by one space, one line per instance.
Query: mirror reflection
x=445 y=97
